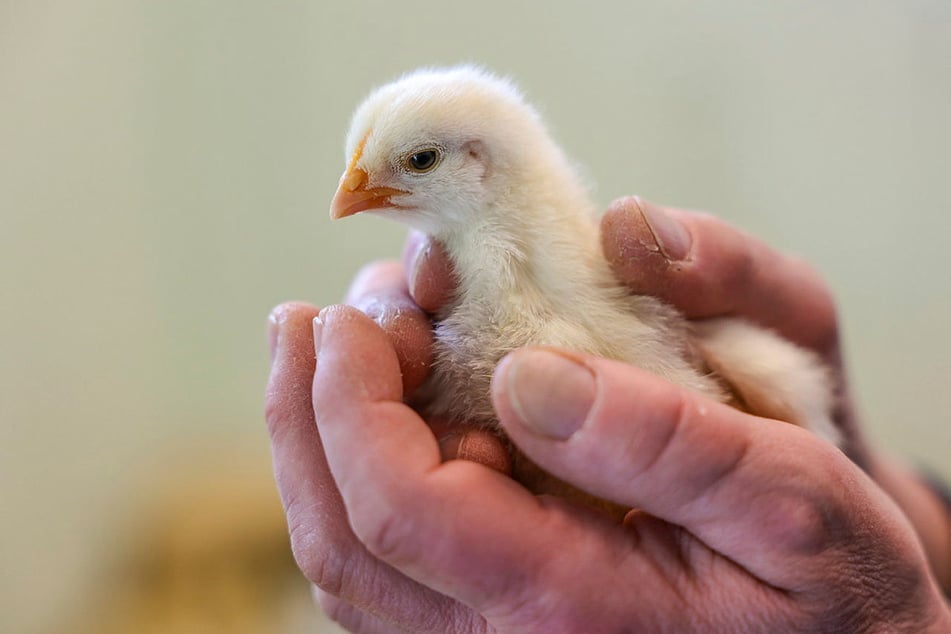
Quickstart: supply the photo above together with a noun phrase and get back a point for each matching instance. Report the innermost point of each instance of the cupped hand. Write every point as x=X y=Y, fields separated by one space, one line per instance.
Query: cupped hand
x=707 y=268
x=380 y=291
x=745 y=526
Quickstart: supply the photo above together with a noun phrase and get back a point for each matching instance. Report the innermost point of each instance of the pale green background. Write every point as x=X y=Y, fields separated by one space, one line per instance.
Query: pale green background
x=166 y=167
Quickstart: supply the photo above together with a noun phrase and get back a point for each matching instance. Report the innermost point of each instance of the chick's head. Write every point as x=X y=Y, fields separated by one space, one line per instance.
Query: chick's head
x=436 y=148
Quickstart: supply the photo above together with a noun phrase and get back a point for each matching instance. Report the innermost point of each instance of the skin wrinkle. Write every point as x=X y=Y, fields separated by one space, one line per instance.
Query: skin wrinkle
x=692 y=547
x=370 y=586
x=672 y=430
x=812 y=548
x=878 y=580
x=386 y=536
x=323 y=561
x=378 y=534
x=457 y=475
x=434 y=614
x=710 y=486
x=351 y=617
x=646 y=537
x=540 y=599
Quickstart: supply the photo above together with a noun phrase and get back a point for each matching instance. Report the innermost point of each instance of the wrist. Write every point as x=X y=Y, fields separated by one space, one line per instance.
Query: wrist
x=924 y=505
x=942 y=492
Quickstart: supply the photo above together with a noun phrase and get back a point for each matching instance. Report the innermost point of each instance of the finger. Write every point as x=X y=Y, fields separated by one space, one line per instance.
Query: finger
x=312 y=508
x=767 y=495
x=323 y=544
x=380 y=291
x=429 y=272
x=707 y=268
x=457 y=527
x=350 y=617
x=473 y=444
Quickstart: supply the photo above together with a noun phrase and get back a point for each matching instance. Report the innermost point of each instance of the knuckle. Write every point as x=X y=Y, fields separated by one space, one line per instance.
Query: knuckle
x=307 y=554
x=318 y=553
x=810 y=515
x=386 y=533
x=801 y=522
x=325 y=567
x=287 y=404
x=273 y=414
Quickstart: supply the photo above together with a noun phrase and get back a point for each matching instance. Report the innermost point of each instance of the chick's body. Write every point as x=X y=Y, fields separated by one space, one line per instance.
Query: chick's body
x=544 y=283
x=458 y=154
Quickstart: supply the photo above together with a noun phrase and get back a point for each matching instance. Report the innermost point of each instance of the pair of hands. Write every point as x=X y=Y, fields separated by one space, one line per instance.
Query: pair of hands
x=745 y=523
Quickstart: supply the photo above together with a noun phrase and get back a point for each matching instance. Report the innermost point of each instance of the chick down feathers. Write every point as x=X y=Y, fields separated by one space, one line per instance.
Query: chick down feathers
x=459 y=154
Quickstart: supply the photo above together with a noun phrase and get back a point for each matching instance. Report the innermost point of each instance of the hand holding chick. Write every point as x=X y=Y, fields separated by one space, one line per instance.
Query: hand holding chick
x=397 y=540
x=459 y=155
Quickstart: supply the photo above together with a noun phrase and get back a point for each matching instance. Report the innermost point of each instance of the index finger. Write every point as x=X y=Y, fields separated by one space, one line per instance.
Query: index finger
x=706 y=268
x=457 y=527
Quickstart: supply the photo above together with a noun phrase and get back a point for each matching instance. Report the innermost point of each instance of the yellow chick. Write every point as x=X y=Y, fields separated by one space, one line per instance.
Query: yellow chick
x=458 y=153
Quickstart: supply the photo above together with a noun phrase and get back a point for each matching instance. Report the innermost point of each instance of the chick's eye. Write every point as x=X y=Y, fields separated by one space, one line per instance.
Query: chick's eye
x=423 y=161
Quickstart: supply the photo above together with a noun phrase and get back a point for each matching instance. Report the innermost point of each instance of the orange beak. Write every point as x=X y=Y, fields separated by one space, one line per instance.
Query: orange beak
x=353 y=196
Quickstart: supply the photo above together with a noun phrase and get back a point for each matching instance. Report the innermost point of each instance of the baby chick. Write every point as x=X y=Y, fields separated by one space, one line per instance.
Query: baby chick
x=457 y=153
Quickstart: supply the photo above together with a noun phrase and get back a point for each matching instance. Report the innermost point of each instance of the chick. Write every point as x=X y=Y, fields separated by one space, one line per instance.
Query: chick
x=458 y=153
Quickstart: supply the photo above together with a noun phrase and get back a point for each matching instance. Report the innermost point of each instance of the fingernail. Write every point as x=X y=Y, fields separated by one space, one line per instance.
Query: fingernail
x=318 y=330
x=421 y=252
x=550 y=393
x=672 y=238
x=275 y=322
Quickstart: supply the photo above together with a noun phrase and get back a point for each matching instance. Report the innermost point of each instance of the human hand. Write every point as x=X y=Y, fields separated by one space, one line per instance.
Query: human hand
x=706 y=268
x=745 y=525
x=702 y=266
x=358 y=590
x=380 y=291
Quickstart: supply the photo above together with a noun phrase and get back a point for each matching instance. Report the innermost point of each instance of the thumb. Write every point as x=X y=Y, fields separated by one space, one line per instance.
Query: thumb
x=767 y=495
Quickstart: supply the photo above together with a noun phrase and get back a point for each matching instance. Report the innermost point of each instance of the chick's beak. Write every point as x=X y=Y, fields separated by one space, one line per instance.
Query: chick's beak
x=353 y=196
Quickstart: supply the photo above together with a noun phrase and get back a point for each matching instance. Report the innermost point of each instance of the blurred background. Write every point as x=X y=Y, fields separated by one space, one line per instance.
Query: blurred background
x=165 y=175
